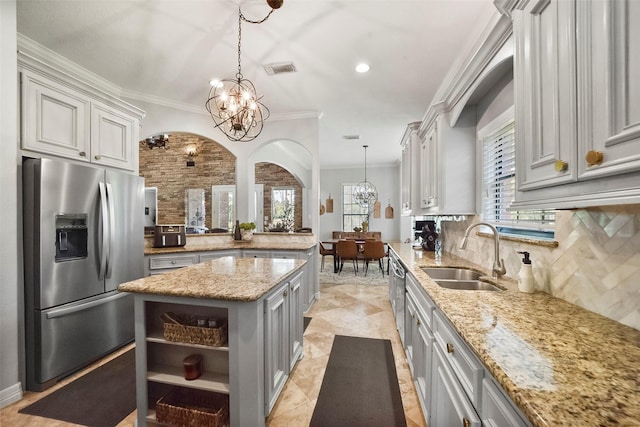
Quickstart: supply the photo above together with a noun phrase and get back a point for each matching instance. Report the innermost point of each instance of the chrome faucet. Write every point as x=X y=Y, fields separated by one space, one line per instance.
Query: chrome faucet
x=498 y=264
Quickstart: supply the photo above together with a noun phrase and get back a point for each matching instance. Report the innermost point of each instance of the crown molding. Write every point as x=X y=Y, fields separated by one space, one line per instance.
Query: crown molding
x=191 y=108
x=57 y=62
x=468 y=68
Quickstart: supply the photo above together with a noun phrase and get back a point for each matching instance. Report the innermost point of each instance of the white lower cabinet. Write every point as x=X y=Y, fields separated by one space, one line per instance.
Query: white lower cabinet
x=419 y=348
x=449 y=405
x=158 y=264
x=283 y=337
x=453 y=387
x=496 y=411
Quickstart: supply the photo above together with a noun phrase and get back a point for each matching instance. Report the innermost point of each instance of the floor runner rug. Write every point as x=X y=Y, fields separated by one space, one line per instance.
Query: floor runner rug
x=100 y=398
x=360 y=386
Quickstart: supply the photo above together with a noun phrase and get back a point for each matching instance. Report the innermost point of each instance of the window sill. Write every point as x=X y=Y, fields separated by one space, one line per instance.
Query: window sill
x=521 y=239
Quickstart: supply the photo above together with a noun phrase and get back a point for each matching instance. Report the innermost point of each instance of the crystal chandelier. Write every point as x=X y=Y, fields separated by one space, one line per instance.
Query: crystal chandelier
x=233 y=103
x=365 y=192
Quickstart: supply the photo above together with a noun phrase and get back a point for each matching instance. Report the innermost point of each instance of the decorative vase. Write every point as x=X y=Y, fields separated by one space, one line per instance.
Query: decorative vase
x=247 y=234
x=365 y=226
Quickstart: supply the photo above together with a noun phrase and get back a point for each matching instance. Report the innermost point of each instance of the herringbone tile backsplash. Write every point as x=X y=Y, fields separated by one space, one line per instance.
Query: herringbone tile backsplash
x=596 y=264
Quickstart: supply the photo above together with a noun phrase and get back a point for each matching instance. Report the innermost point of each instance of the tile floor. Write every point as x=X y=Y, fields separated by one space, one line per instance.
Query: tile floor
x=346 y=309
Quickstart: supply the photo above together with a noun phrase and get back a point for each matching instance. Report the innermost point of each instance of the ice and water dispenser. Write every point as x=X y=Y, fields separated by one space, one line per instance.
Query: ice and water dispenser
x=71 y=237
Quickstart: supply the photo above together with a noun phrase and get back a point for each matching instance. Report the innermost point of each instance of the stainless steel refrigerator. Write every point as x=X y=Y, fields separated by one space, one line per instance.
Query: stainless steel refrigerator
x=83 y=236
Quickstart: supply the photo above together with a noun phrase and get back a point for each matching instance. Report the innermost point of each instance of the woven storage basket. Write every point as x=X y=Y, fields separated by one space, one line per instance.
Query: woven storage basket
x=188 y=332
x=193 y=408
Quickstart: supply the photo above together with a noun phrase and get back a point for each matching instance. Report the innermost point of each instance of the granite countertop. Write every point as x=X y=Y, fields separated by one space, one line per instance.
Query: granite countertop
x=226 y=278
x=560 y=364
x=212 y=242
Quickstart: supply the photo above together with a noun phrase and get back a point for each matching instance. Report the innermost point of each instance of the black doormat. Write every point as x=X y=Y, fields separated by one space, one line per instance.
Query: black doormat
x=306 y=321
x=360 y=386
x=101 y=398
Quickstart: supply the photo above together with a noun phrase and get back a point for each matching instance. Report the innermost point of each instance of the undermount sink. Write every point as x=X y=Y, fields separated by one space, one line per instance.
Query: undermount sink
x=448 y=273
x=467 y=285
x=459 y=278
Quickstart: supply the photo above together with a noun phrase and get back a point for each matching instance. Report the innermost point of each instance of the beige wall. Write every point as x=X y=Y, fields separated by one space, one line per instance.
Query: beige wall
x=596 y=264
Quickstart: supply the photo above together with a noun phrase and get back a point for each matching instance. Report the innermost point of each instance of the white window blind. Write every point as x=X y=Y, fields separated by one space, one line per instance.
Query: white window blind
x=499 y=184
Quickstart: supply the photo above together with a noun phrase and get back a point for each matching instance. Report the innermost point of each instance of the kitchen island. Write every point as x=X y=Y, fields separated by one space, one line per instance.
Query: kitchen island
x=255 y=302
x=559 y=363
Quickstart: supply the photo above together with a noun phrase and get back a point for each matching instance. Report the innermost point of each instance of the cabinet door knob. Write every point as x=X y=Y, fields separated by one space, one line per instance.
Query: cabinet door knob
x=286 y=293
x=466 y=422
x=97 y=157
x=594 y=157
x=173 y=261
x=561 y=166
x=449 y=348
x=82 y=154
x=418 y=322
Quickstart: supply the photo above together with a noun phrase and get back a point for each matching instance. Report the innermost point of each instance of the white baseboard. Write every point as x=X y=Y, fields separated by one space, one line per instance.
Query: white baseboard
x=10 y=395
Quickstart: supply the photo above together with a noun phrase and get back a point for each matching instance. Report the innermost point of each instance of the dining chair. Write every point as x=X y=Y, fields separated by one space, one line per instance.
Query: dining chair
x=373 y=251
x=347 y=250
x=324 y=252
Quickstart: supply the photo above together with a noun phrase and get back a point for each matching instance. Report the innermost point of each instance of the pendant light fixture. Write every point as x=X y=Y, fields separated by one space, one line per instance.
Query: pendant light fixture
x=234 y=104
x=365 y=192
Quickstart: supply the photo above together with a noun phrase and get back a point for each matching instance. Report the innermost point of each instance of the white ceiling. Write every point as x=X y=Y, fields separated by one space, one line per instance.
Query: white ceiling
x=171 y=49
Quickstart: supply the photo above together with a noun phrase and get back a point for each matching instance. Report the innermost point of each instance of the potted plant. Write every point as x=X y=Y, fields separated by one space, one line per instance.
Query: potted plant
x=246 y=228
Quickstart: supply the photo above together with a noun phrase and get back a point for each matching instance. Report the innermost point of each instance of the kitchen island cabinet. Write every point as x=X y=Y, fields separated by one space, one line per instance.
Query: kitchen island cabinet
x=239 y=293
x=517 y=359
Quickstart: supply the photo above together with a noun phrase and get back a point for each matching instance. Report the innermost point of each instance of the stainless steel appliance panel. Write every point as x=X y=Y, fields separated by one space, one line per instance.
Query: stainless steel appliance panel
x=399 y=278
x=55 y=188
x=126 y=251
x=72 y=334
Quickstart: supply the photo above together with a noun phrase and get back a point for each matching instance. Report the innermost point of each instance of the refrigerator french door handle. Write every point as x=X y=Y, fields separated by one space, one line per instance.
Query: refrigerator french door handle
x=76 y=308
x=112 y=227
x=104 y=241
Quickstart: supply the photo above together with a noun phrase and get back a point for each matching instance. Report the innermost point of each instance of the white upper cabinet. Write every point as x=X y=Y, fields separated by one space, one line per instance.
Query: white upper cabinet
x=545 y=82
x=577 y=101
x=609 y=87
x=65 y=117
x=429 y=169
x=409 y=168
x=114 y=137
x=447 y=166
x=54 y=121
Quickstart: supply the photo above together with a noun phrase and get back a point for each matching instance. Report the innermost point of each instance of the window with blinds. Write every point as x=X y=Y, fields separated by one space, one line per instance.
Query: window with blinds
x=499 y=185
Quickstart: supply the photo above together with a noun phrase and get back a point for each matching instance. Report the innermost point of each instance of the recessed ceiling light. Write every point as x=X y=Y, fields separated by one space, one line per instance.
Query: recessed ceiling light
x=362 y=67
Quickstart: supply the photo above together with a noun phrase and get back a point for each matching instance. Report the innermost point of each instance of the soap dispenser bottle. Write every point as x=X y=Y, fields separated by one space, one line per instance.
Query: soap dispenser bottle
x=525 y=276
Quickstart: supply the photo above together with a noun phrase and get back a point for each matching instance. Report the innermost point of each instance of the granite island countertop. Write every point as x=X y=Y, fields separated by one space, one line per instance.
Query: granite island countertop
x=562 y=365
x=217 y=242
x=227 y=278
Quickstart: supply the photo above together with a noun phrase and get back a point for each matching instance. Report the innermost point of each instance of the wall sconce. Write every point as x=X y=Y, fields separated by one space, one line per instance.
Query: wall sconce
x=160 y=141
x=192 y=151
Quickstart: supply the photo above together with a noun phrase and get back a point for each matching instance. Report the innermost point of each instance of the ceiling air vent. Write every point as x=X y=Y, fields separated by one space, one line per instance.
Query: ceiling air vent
x=280 y=68
x=351 y=137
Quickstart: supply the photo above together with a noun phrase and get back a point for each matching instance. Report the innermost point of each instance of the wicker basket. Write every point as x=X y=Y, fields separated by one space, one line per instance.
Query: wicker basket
x=193 y=408
x=188 y=332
